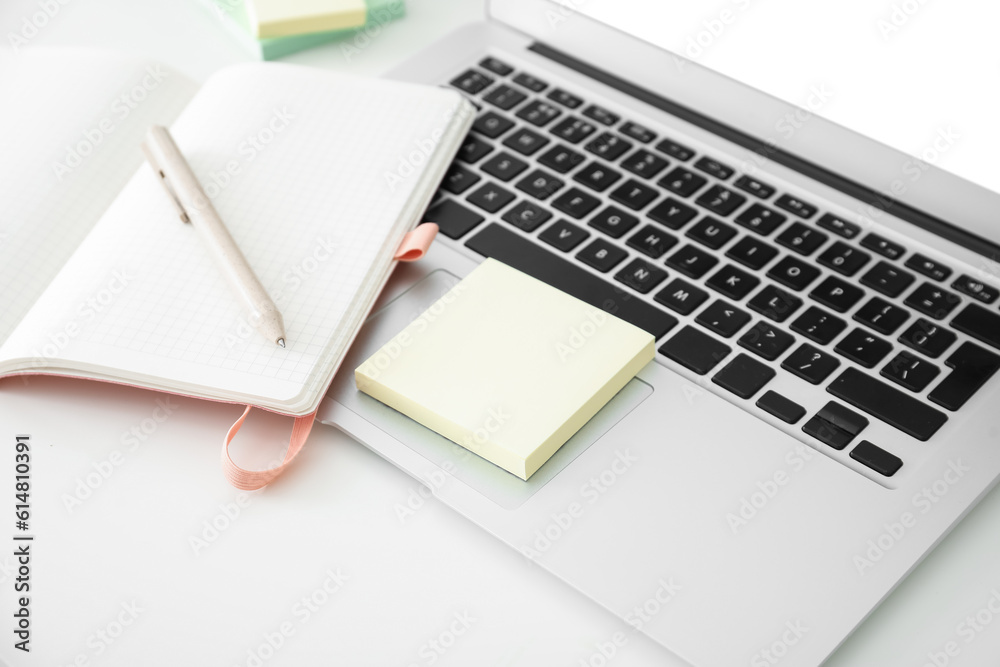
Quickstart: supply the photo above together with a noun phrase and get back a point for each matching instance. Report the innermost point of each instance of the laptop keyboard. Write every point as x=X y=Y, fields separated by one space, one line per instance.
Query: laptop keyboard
x=738 y=281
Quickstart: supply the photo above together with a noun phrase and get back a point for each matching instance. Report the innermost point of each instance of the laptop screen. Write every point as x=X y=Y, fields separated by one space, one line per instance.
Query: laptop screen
x=919 y=76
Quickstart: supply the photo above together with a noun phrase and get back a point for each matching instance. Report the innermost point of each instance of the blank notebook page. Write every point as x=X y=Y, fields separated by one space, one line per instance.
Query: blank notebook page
x=298 y=165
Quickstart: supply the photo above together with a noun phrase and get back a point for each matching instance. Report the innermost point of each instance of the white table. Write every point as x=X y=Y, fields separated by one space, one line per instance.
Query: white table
x=146 y=556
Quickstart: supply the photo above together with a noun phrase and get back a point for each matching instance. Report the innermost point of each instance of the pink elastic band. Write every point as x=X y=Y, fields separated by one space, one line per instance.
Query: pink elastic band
x=251 y=480
x=416 y=243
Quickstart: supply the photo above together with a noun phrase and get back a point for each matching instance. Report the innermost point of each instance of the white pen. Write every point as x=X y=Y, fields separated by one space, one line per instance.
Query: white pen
x=196 y=208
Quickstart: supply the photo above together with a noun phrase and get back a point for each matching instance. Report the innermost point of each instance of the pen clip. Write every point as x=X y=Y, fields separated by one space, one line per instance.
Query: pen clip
x=167 y=185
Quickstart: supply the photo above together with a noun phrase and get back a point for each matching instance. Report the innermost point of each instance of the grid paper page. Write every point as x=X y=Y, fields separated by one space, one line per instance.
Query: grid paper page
x=296 y=162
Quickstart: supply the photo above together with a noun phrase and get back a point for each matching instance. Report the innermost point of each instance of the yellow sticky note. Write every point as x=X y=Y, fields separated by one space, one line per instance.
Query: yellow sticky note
x=283 y=18
x=506 y=366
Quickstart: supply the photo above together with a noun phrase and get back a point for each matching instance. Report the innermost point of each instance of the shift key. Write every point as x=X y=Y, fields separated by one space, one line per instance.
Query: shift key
x=889 y=404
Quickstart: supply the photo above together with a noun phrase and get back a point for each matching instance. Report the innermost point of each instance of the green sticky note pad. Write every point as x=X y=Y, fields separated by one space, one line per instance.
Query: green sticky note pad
x=506 y=366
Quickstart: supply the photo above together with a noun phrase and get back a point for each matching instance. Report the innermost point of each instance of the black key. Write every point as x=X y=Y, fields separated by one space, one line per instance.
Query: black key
x=539 y=113
x=473 y=149
x=471 y=81
x=505 y=97
x=932 y=300
x=795 y=206
x=597 y=176
x=675 y=150
x=608 y=146
x=818 y=325
x=793 y=273
x=504 y=166
x=744 y=376
x=527 y=216
x=634 y=194
x=876 y=458
x=908 y=370
x=775 y=404
x=881 y=315
x=496 y=66
x=754 y=187
x=573 y=130
x=971 y=367
x=651 y=241
x=722 y=318
x=844 y=259
x=641 y=276
x=803 y=240
x=752 y=253
x=492 y=125
x=979 y=323
x=714 y=167
x=539 y=184
x=883 y=246
x=928 y=267
x=695 y=350
x=453 y=219
x=977 y=289
x=560 y=158
x=835 y=293
x=575 y=202
x=887 y=279
x=681 y=296
x=720 y=200
x=760 y=219
x=711 y=232
x=601 y=255
x=838 y=226
x=732 y=282
x=810 y=364
x=887 y=403
x=525 y=141
x=683 y=182
x=835 y=425
x=863 y=348
x=531 y=83
x=566 y=99
x=614 y=222
x=765 y=340
x=490 y=197
x=601 y=115
x=774 y=303
x=459 y=179
x=564 y=235
x=645 y=164
x=514 y=250
x=927 y=337
x=637 y=132
x=691 y=261
x=672 y=213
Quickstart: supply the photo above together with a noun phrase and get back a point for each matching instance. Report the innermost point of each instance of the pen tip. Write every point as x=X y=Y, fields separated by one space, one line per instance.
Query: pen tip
x=281 y=342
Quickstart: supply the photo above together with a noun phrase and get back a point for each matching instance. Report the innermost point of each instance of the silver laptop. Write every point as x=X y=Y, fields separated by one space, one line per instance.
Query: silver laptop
x=822 y=409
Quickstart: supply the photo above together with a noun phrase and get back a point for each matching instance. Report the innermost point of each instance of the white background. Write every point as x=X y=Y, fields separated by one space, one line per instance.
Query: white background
x=130 y=541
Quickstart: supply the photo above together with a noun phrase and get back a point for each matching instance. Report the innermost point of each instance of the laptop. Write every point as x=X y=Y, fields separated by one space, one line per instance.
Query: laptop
x=821 y=410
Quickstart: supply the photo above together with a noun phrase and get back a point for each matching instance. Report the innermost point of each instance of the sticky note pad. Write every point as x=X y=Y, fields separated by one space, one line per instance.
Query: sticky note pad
x=506 y=366
x=281 y=18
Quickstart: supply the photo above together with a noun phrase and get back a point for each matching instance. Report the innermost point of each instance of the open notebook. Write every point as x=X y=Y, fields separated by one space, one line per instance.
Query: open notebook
x=318 y=177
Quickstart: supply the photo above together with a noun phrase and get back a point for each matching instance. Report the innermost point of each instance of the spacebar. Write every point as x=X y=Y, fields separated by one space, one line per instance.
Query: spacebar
x=888 y=404
x=513 y=250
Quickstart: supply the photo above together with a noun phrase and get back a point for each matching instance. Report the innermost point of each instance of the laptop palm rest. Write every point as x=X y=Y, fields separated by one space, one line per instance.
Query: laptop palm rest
x=497 y=484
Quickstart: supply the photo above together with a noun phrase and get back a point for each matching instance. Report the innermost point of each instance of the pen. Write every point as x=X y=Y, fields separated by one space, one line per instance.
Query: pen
x=195 y=207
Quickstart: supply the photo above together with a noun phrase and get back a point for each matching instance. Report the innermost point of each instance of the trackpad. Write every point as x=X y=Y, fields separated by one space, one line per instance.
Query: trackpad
x=504 y=488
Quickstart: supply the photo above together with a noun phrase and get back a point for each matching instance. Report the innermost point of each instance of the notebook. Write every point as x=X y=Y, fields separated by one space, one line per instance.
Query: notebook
x=318 y=177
